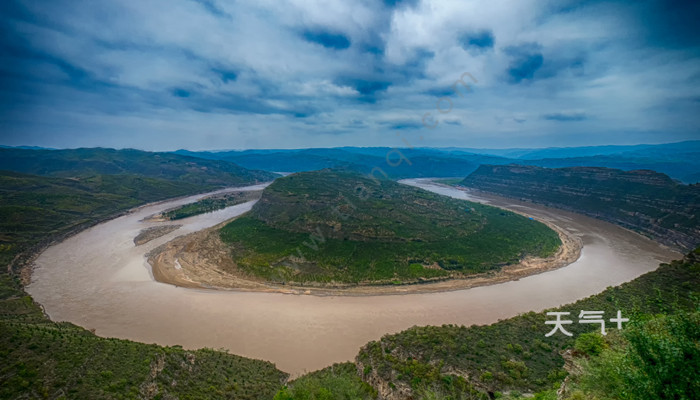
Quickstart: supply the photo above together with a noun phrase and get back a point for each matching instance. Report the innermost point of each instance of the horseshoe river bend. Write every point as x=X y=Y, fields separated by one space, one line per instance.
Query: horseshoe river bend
x=100 y=280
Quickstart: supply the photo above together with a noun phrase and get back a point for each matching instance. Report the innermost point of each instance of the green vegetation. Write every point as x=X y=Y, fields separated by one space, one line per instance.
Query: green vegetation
x=514 y=355
x=337 y=382
x=43 y=359
x=210 y=204
x=99 y=161
x=645 y=201
x=449 y=181
x=655 y=356
x=658 y=358
x=591 y=343
x=334 y=226
x=34 y=208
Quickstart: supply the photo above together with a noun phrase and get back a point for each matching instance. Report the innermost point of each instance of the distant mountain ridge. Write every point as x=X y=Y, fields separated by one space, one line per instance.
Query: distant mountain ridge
x=680 y=161
x=586 y=151
x=645 y=201
x=99 y=161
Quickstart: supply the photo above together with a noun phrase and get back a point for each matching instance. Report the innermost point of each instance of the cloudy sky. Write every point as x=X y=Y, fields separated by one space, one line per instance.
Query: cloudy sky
x=221 y=74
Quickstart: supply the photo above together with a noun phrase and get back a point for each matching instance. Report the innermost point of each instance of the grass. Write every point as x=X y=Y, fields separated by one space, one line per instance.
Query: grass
x=87 y=162
x=337 y=382
x=449 y=181
x=656 y=358
x=514 y=354
x=645 y=201
x=337 y=227
x=43 y=359
x=209 y=204
x=33 y=207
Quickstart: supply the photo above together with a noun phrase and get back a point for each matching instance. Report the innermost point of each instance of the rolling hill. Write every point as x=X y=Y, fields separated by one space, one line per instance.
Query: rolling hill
x=513 y=355
x=98 y=161
x=336 y=226
x=44 y=359
x=645 y=201
x=35 y=208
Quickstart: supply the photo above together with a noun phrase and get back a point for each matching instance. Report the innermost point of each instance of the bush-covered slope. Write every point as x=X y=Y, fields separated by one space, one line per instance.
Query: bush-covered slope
x=645 y=201
x=514 y=354
x=43 y=359
x=655 y=358
x=98 y=161
x=337 y=382
x=337 y=226
x=36 y=208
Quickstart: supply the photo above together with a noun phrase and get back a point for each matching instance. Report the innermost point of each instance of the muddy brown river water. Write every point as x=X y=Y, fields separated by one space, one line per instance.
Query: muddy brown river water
x=100 y=280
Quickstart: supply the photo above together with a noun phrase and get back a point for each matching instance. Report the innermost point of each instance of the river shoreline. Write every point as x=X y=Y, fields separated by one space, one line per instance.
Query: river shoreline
x=193 y=261
x=98 y=279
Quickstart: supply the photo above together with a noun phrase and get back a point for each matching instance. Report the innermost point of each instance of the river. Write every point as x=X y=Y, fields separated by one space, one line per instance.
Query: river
x=100 y=280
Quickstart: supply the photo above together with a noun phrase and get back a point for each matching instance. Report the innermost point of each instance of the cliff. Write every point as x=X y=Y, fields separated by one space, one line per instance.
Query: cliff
x=645 y=201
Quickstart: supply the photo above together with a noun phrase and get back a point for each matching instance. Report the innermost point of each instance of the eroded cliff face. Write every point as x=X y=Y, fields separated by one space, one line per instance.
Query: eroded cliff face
x=645 y=201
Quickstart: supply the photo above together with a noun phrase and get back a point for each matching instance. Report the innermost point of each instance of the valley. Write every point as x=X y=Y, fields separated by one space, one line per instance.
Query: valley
x=161 y=273
x=323 y=329
x=349 y=200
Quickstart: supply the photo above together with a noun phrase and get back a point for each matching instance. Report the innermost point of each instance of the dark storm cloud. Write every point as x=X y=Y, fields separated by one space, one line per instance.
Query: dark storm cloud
x=181 y=93
x=666 y=23
x=327 y=39
x=226 y=76
x=480 y=40
x=526 y=60
x=170 y=72
x=407 y=124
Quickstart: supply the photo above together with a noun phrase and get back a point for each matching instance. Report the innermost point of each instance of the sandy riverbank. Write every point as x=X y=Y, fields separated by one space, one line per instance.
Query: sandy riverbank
x=201 y=260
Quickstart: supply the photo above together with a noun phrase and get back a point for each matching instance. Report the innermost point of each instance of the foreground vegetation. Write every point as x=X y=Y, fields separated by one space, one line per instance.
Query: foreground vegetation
x=514 y=355
x=334 y=226
x=656 y=358
x=337 y=382
x=43 y=359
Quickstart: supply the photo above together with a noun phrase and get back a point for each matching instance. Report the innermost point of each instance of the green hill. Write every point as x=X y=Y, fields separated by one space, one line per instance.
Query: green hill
x=337 y=226
x=645 y=201
x=43 y=359
x=514 y=355
x=38 y=208
x=98 y=161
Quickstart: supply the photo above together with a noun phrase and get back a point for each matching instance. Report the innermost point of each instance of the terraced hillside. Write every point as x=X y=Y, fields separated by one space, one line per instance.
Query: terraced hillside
x=645 y=201
x=337 y=226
